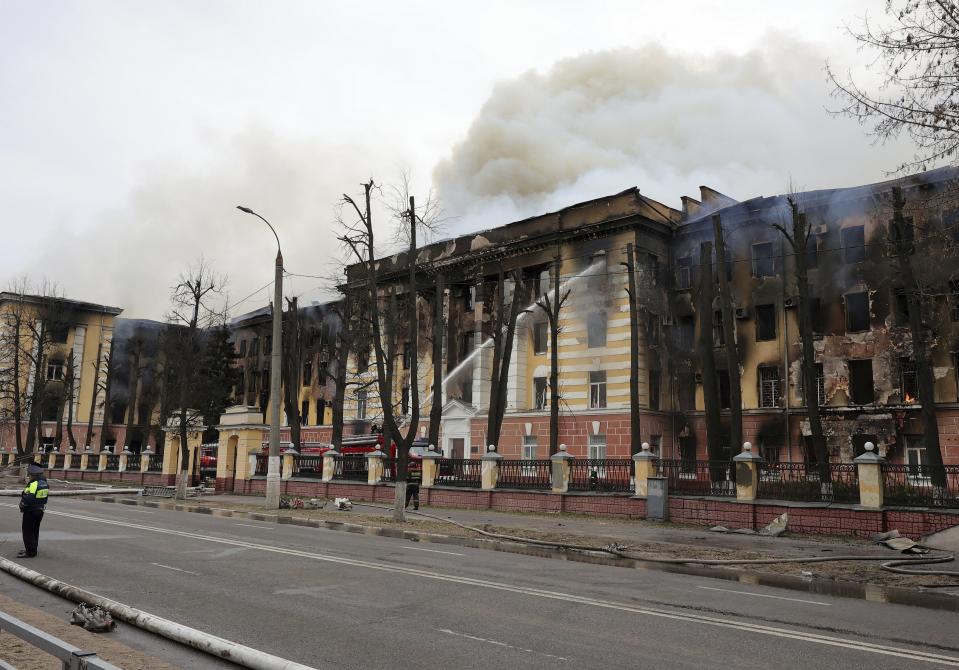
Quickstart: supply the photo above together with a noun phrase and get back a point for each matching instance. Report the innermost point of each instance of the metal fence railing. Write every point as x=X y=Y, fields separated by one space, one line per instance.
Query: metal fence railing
x=465 y=472
x=389 y=469
x=133 y=462
x=156 y=463
x=525 y=474
x=699 y=478
x=601 y=474
x=803 y=482
x=69 y=655
x=308 y=466
x=350 y=467
x=113 y=462
x=921 y=485
x=93 y=461
x=59 y=460
x=262 y=465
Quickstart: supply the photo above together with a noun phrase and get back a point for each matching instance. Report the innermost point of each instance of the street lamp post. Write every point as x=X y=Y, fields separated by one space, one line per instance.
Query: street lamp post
x=273 y=470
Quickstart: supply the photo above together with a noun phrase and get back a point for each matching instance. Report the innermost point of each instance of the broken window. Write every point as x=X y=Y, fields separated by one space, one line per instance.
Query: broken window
x=900 y=306
x=407 y=355
x=812 y=252
x=684 y=267
x=255 y=346
x=687 y=332
x=361 y=404
x=815 y=315
x=55 y=370
x=954 y=300
x=764 y=260
x=468 y=299
x=539 y=392
x=652 y=328
x=242 y=348
x=853 y=244
x=321 y=412
x=308 y=373
x=654 y=379
x=857 y=312
x=820 y=384
x=323 y=372
x=305 y=413
x=363 y=359
x=908 y=386
x=719 y=334
x=540 y=337
x=724 y=395
x=769 y=385
x=765 y=322
x=597 y=389
x=596 y=329
x=687 y=454
x=652 y=269
x=861 y=388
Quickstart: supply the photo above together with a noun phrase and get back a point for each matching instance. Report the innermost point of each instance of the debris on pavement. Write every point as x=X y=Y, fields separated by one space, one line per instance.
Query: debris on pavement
x=93 y=619
x=777 y=526
x=342 y=504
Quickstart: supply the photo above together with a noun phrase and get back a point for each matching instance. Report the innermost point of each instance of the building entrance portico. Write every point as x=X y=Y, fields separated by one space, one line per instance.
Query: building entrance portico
x=455 y=429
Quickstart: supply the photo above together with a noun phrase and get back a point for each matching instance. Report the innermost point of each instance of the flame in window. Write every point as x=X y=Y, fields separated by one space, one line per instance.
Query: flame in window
x=909 y=399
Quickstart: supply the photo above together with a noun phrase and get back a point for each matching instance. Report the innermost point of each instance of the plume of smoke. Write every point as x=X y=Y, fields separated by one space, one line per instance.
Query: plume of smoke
x=603 y=121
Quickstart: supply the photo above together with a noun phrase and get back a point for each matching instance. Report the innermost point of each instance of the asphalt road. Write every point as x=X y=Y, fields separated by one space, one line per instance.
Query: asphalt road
x=332 y=599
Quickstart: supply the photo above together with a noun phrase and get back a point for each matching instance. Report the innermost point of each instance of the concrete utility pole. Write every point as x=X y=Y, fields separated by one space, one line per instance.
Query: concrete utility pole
x=273 y=469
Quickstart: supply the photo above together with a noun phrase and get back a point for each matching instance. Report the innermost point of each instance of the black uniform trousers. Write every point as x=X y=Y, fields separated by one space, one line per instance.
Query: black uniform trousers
x=413 y=492
x=31 y=530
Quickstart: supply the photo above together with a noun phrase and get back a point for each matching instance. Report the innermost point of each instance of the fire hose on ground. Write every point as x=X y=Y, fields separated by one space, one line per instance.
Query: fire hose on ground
x=894 y=565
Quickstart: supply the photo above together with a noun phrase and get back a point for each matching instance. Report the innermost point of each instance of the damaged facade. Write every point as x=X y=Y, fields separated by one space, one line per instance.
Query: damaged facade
x=866 y=379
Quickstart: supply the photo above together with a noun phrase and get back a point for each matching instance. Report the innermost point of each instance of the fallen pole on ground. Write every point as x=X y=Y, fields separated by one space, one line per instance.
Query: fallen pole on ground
x=210 y=644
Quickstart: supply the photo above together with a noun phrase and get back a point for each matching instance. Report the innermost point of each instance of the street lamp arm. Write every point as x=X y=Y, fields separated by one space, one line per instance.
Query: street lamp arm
x=247 y=210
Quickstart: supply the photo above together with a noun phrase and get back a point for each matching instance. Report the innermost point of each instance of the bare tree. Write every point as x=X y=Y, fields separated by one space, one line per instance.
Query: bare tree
x=292 y=366
x=552 y=306
x=438 y=333
x=729 y=336
x=504 y=321
x=69 y=383
x=707 y=359
x=916 y=47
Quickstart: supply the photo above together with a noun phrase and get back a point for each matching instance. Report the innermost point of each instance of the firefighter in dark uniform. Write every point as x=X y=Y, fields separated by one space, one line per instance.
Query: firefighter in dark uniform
x=414 y=477
x=33 y=501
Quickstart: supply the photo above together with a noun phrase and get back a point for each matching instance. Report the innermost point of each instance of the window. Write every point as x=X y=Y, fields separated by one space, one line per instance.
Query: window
x=724 y=396
x=59 y=332
x=684 y=268
x=861 y=389
x=820 y=385
x=769 y=451
x=268 y=344
x=254 y=346
x=597 y=447
x=321 y=412
x=916 y=459
x=857 y=312
x=46 y=445
x=815 y=315
x=468 y=299
x=308 y=373
x=596 y=329
x=363 y=359
x=719 y=333
x=652 y=328
x=687 y=391
x=405 y=400
x=55 y=370
x=539 y=392
x=687 y=454
x=812 y=252
x=954 y=300
x=323 y=372
x=48 y=411
x=764 y=262
x=769 y=386
x=652 y=269
x=656 y=445
x=529 y=447
x=407 y=355
x=361 y=404
x=900 y=306
x=240 y=386
x=466 y=345
x=305 y=413
x=907 y=381
x=765 y=322
x=687 y=332
x=654 y=377
x=265 y=379
x=597 y=389
x=242 y=348
x=540 y=337
x=853 y=244
x=253 y=382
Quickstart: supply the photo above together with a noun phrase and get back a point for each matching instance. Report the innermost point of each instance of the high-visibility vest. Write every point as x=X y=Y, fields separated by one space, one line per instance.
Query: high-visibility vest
x=35 y=495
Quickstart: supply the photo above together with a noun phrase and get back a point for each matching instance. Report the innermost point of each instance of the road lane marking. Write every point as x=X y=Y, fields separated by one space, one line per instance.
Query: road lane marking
x=433 y=551
x=250 y=525
x=763 y=595
x=170 y=567
x=742 y=626
x=499 y=644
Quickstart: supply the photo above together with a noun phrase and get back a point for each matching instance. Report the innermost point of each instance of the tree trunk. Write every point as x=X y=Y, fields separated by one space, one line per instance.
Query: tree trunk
x=554 y=362
x=184 y=469
x=504 y=334
x=635 y=438
x=106 y=402
x=344 y=340
x=93 y=396
x=70 y=383
x=132 y=393
x=58 y=431
x=810 y=383
x=436 y=407
x=706 y=355
x=920 y=347
x=732 y=351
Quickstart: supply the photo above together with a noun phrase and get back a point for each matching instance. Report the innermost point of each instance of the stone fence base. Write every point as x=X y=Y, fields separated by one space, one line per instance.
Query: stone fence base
x=808 y=518
x=130 y=477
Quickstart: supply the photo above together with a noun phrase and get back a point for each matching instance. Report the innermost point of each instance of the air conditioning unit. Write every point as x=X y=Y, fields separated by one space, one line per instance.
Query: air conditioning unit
x=791 y=301
x=742 y=312
x=821 y=229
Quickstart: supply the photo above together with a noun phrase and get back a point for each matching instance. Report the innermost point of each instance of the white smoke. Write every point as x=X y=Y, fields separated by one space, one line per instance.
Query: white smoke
x=601 y=122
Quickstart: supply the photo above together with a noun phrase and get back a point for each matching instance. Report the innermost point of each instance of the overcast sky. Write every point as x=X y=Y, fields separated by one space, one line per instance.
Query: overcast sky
x=129 y=131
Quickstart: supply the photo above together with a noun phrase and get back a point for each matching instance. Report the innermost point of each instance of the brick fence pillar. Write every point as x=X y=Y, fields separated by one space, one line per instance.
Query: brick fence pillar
x=645 y=465
x=374 y=467
x=329 y=464
x=869 y=465
x=490 y=468
x=747 y=473
x=430 y=466
x=560 y=469
x=286 y=463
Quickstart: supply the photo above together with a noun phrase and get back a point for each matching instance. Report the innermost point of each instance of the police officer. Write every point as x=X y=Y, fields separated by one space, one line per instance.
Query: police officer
x=33 y=501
